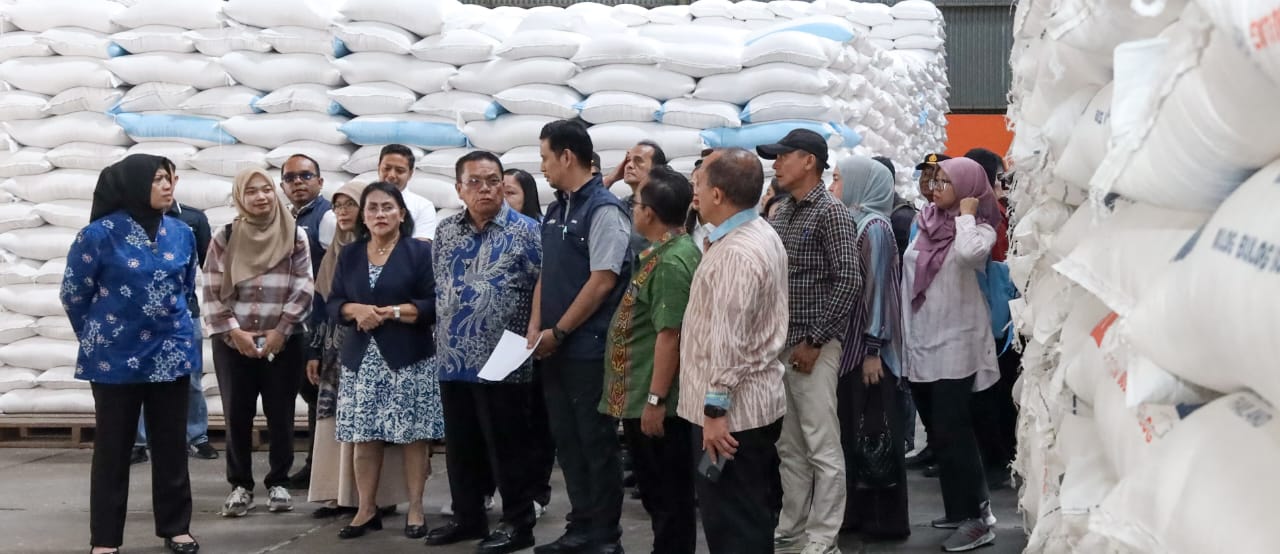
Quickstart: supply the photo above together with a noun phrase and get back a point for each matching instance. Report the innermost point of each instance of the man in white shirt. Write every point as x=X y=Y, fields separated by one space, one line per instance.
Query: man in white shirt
x=395 y=166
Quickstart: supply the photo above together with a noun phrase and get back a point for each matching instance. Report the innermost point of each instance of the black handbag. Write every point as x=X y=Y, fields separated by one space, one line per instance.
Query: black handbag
x=875 y=456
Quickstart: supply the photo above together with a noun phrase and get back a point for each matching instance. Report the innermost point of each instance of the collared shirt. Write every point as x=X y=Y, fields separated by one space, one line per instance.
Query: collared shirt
x=126 y=297
x=424 y=215
x=734 y=328
x=654 y=302
x=735 y=221
x=484 y=285
x=825 y=274
x=279 y=299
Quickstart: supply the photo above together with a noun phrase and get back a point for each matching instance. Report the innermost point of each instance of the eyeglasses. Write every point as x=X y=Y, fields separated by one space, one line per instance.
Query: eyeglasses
x=345 y=206
x=375 y=210
x=936 y=185
x=475 y=183
x=304 y=176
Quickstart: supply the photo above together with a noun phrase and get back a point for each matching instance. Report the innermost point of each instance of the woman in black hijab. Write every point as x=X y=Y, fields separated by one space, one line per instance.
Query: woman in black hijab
x=129 y=274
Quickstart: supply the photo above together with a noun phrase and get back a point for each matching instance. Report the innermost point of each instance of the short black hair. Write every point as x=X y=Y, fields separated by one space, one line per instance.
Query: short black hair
x=303 y=156
x=399 y=149
x=571 y=135
x=595 y=162
x=991 y=162
x=529 y=186
x=738 y=173
x=668 y=194
x=406 y=226
x=893 y=171
x=476 y=156
x=659 y=156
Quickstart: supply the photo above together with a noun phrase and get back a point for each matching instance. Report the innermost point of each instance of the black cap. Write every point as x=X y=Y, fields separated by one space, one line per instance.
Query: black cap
x=932 y=159
x=797 y=139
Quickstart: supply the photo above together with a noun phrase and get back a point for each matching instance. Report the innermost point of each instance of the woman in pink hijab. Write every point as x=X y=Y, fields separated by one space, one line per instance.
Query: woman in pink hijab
x=950 y=350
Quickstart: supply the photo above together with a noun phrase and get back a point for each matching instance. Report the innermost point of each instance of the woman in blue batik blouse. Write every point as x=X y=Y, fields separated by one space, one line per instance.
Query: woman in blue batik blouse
x=129 y=274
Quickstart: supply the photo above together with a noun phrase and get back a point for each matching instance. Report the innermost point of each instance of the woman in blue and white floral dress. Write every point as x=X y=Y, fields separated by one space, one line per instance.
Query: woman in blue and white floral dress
x=129 y=274
x=388 y=393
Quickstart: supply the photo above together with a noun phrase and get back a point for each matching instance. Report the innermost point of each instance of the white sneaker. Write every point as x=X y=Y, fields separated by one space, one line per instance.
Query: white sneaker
x=788 y=545
x=278 y=500
x=238 y=503
x=538 y=509
x=815 y=547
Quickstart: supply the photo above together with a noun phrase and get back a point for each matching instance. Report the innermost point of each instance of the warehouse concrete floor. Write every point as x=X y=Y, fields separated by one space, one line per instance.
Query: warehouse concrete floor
x=44 y=507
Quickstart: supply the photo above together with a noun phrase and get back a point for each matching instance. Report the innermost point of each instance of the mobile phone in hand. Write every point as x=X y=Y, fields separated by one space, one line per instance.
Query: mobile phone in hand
x=710 y=471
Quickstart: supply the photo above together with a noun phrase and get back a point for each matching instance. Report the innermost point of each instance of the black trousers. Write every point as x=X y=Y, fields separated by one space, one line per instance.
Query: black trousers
x=242 y=380
x=736 y=513
x=487 y=430
x=309 y=393
x=586 y=445
x=996 y=416
x=116 y=417
x=963 y=478
x=664 y=471
x=543 y=456
x=920 y=398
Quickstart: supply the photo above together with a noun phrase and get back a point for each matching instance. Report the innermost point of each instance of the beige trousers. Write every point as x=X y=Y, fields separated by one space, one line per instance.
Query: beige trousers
x=813 y=471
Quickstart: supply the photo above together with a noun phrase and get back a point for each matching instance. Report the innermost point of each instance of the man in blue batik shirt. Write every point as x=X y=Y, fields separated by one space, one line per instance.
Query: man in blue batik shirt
x=486 y=260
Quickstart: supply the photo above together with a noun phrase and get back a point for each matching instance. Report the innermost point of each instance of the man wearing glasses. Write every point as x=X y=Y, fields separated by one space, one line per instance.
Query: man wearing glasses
x=487 y=260
x=301 y=180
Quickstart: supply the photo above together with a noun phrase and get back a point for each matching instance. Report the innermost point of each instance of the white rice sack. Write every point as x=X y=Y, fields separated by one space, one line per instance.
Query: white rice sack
x=154 y=38
x=676 y=141
x=275 y=71
x=75 y=127
x=24 y=161
x=608 y=107
x=701 y=60
x=209 y=384
x=70 y=214
x=1151 y=384
x=441 y=192
x=419 y=76
x=149 y=97
x=204 y=191
x=456 y=47
x=316 y=14
x=501 y=74
x=85 y=155
x=670 y=15
x=422 y=18
x=23 y=45
x=60 y=184
x=556 y=101
x=299 y=40
x=440 y=162
x=186 y=14
x=777 y=106
x=540 y=44
x=915 y=9
x=299 y=98
x=61 y=378
x=1088 y=144
x=55 y=74
x=738 y=88
x=74 y=41
x=506 y=132
x=19 y=271
x=18 y=215
x=618 y=49
x=699 y=114
x=53 y=327
x=45 y=401
x=219 y=216
x=456 y=104
x=230 y=160
x=377 y=98
x=52 y=271
x=95 y=15
x=83 y=99
x=374 y=37
x=527 y=158
x=711 y=8
x=327 y=155
x=273 y=130
x=365 y=159
x=222 y=102
x=630 y=15
x=413 y=129
x=35 y=301
x=793 y=48
x=639 y=79
x=221 y=41
x=16 y=378
x=197 y=70
x=39 y=243
x=178 y=152
x=752 y=10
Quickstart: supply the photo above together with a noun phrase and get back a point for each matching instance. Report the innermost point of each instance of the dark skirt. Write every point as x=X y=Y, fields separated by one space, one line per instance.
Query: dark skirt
x=874 y=513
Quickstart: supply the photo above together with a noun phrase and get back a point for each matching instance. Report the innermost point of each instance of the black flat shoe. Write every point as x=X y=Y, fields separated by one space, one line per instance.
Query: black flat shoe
x=453 y=533
x=506 y=539
x=415 y=531
x=325 y=512
x=182 y=547
x=357 y=531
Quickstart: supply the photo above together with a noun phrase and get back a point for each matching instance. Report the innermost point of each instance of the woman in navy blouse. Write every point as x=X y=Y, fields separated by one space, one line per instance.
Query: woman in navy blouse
x=129 y=274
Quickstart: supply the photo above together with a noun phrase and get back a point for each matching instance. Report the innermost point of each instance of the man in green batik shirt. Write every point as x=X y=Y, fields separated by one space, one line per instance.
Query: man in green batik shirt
x=642 y=361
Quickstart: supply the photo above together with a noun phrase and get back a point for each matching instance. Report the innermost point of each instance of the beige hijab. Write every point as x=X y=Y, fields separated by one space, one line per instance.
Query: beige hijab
x=257 y=244
x=329 y=265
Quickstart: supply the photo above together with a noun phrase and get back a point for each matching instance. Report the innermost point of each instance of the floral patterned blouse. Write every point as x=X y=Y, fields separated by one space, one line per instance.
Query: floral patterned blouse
x=127 y=300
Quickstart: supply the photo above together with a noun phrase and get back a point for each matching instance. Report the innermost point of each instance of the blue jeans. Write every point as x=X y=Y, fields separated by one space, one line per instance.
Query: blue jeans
x=197 y=409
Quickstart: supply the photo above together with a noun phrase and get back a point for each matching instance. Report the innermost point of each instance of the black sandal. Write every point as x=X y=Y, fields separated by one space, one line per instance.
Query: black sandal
x=182 y=547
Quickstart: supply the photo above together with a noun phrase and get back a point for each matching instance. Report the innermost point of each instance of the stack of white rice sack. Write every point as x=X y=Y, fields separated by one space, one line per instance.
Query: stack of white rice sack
x=219 y=86
x=1146 y=248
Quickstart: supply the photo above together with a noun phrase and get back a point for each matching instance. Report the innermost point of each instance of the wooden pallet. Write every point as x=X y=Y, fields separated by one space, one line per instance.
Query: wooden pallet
x=76 y=430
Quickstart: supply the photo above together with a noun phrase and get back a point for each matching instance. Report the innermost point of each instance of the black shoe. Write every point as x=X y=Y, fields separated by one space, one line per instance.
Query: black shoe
x=629 y=480
x=300 y=480
x=933 y=471
x=182 y=547
x=356 y=531
x=204 y=451
x=415 y=531
x=921 y=460
x=569 y=543
x=610 y=548
x=326 y=512
x=506 y=539
x=452 y=533
x=139 y=456
x=385 y=511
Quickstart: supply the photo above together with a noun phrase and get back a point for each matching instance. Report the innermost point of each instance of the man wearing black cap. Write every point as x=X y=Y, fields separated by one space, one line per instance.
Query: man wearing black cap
x=824 y=283
x=927 y=169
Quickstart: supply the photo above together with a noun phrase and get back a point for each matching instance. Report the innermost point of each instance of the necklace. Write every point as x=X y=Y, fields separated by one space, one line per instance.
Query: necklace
x=382 y=251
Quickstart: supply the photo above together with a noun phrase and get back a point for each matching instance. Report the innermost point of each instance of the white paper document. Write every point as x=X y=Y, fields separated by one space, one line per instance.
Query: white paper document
x=510 y=354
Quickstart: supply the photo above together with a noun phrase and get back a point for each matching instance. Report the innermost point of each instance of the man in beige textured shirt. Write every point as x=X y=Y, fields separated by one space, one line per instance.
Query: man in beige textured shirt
x=734 y=330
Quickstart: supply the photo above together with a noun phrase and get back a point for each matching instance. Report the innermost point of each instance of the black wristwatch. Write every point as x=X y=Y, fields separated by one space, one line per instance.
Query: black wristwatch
x=714 y=412
x=873 y=351
x=559 y=334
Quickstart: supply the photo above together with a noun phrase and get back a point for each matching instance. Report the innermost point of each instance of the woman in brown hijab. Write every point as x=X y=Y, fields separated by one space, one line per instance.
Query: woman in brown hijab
x=258 y=293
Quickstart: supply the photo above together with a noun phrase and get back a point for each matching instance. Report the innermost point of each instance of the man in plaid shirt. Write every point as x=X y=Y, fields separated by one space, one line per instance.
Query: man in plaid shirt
x=824 y=281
